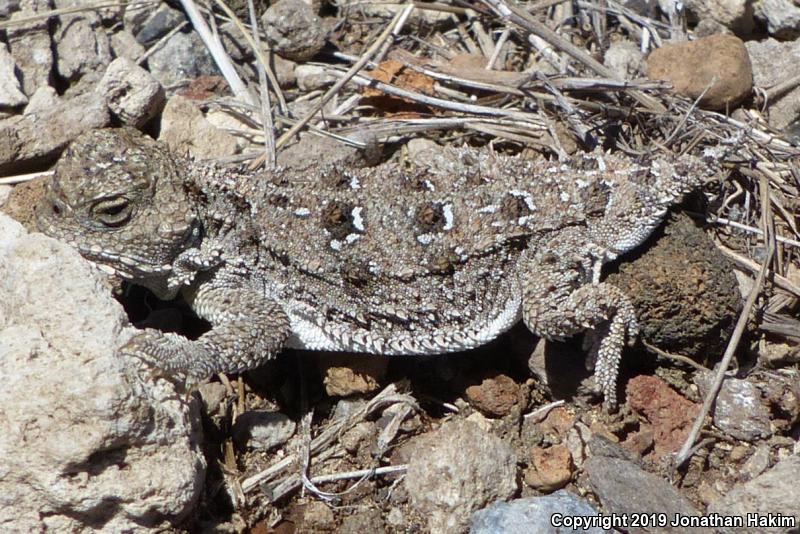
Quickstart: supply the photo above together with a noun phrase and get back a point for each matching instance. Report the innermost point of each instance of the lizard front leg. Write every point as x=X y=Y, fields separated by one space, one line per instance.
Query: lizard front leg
x=562 y=298
x=247 y=329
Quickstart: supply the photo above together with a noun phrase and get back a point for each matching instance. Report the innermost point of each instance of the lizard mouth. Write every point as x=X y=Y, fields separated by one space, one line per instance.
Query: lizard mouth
x=120 y=265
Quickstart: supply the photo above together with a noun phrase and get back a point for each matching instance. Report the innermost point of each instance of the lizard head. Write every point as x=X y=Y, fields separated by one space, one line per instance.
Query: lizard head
x=119 y=198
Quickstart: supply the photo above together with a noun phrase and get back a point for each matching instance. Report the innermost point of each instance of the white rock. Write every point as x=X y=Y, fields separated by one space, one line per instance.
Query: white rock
x=774 y=62
x=262 y=430
x=5 y=190
x=183 y=57
x=782 y=17
x=86 y=444
x=82 y=46
x=42 y=100
x=186 y=130
x=293 y=29
x=11 y=94
x=124 y=44
x=625 y=59
x=29 y=43
x=311 y=77
x=774 y=492
x=456 y=470
x=132 y=94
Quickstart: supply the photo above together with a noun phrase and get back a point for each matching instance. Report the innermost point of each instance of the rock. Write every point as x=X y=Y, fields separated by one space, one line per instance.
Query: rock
x=420 y=150
x=293 y=30
x=456 y=470
x=262 y=430
x=158 y=23
x=313 y=77
x=82 y=47
x=21 y=203
x=735 y=15
x=326 y=151
x=718 y=63
x=5 y=191
x=670 y=415
x=42 y=100
x=757 y=463
x=781 y=17
x=363 y=522
x=7 y=7
x=11 y=95
x=708 y=27
x=395 y=517
x=386 y=9
x=775 y=492
x=29 y=44
x=550 y=468
x=284 y=71
x=624 y=488
x=640 y=442
x=182 y=57
x=185 y=130
x=133 y=95
x=92 y=446
x=625 y=59
x=774 y=62
x=347 y=374
x=494 y=396
x=212 y=394
x=361 y=435
x=317 y=517
x=204 y=88
x=647 y=8
x=738 y=410
x=28 y=141
x=136 y=13
x=124 y=44
x=557 y=423
x=684 y=291
x=546 y=514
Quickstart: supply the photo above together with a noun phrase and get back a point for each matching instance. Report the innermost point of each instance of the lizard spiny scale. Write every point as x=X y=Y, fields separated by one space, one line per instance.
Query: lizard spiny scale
x=384 y=259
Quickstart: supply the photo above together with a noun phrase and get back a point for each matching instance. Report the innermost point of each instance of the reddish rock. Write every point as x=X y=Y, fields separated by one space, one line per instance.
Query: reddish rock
x=719 y=63
x=494 y=396
x=550 y=468
x=670 y=415
x=557 y=422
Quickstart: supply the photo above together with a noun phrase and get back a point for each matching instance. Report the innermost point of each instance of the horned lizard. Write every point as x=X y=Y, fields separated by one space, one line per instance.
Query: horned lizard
x=387 y=260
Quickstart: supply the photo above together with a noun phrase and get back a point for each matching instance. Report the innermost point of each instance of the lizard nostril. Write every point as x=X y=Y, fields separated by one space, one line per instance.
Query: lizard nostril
x=56 y=209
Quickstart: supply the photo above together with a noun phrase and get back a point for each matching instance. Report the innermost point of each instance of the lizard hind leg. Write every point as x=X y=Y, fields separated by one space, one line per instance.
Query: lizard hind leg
x=560 y=300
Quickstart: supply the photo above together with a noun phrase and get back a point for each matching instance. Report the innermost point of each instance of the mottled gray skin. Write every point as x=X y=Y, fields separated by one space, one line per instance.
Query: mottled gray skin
x=384 y=260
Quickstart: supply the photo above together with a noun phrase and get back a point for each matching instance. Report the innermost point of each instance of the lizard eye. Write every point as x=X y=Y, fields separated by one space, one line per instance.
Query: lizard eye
x=113 y=213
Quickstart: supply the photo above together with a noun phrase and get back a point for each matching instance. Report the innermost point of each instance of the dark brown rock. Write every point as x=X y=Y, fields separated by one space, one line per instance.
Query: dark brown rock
x=21 y=203
x=347 y=374
x=719 y=63
x=684 y=291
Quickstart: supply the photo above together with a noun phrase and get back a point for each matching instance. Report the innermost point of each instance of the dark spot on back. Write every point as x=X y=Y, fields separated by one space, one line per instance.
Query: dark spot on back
x=513 y=207
x=337 y=218
x=430 y=217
